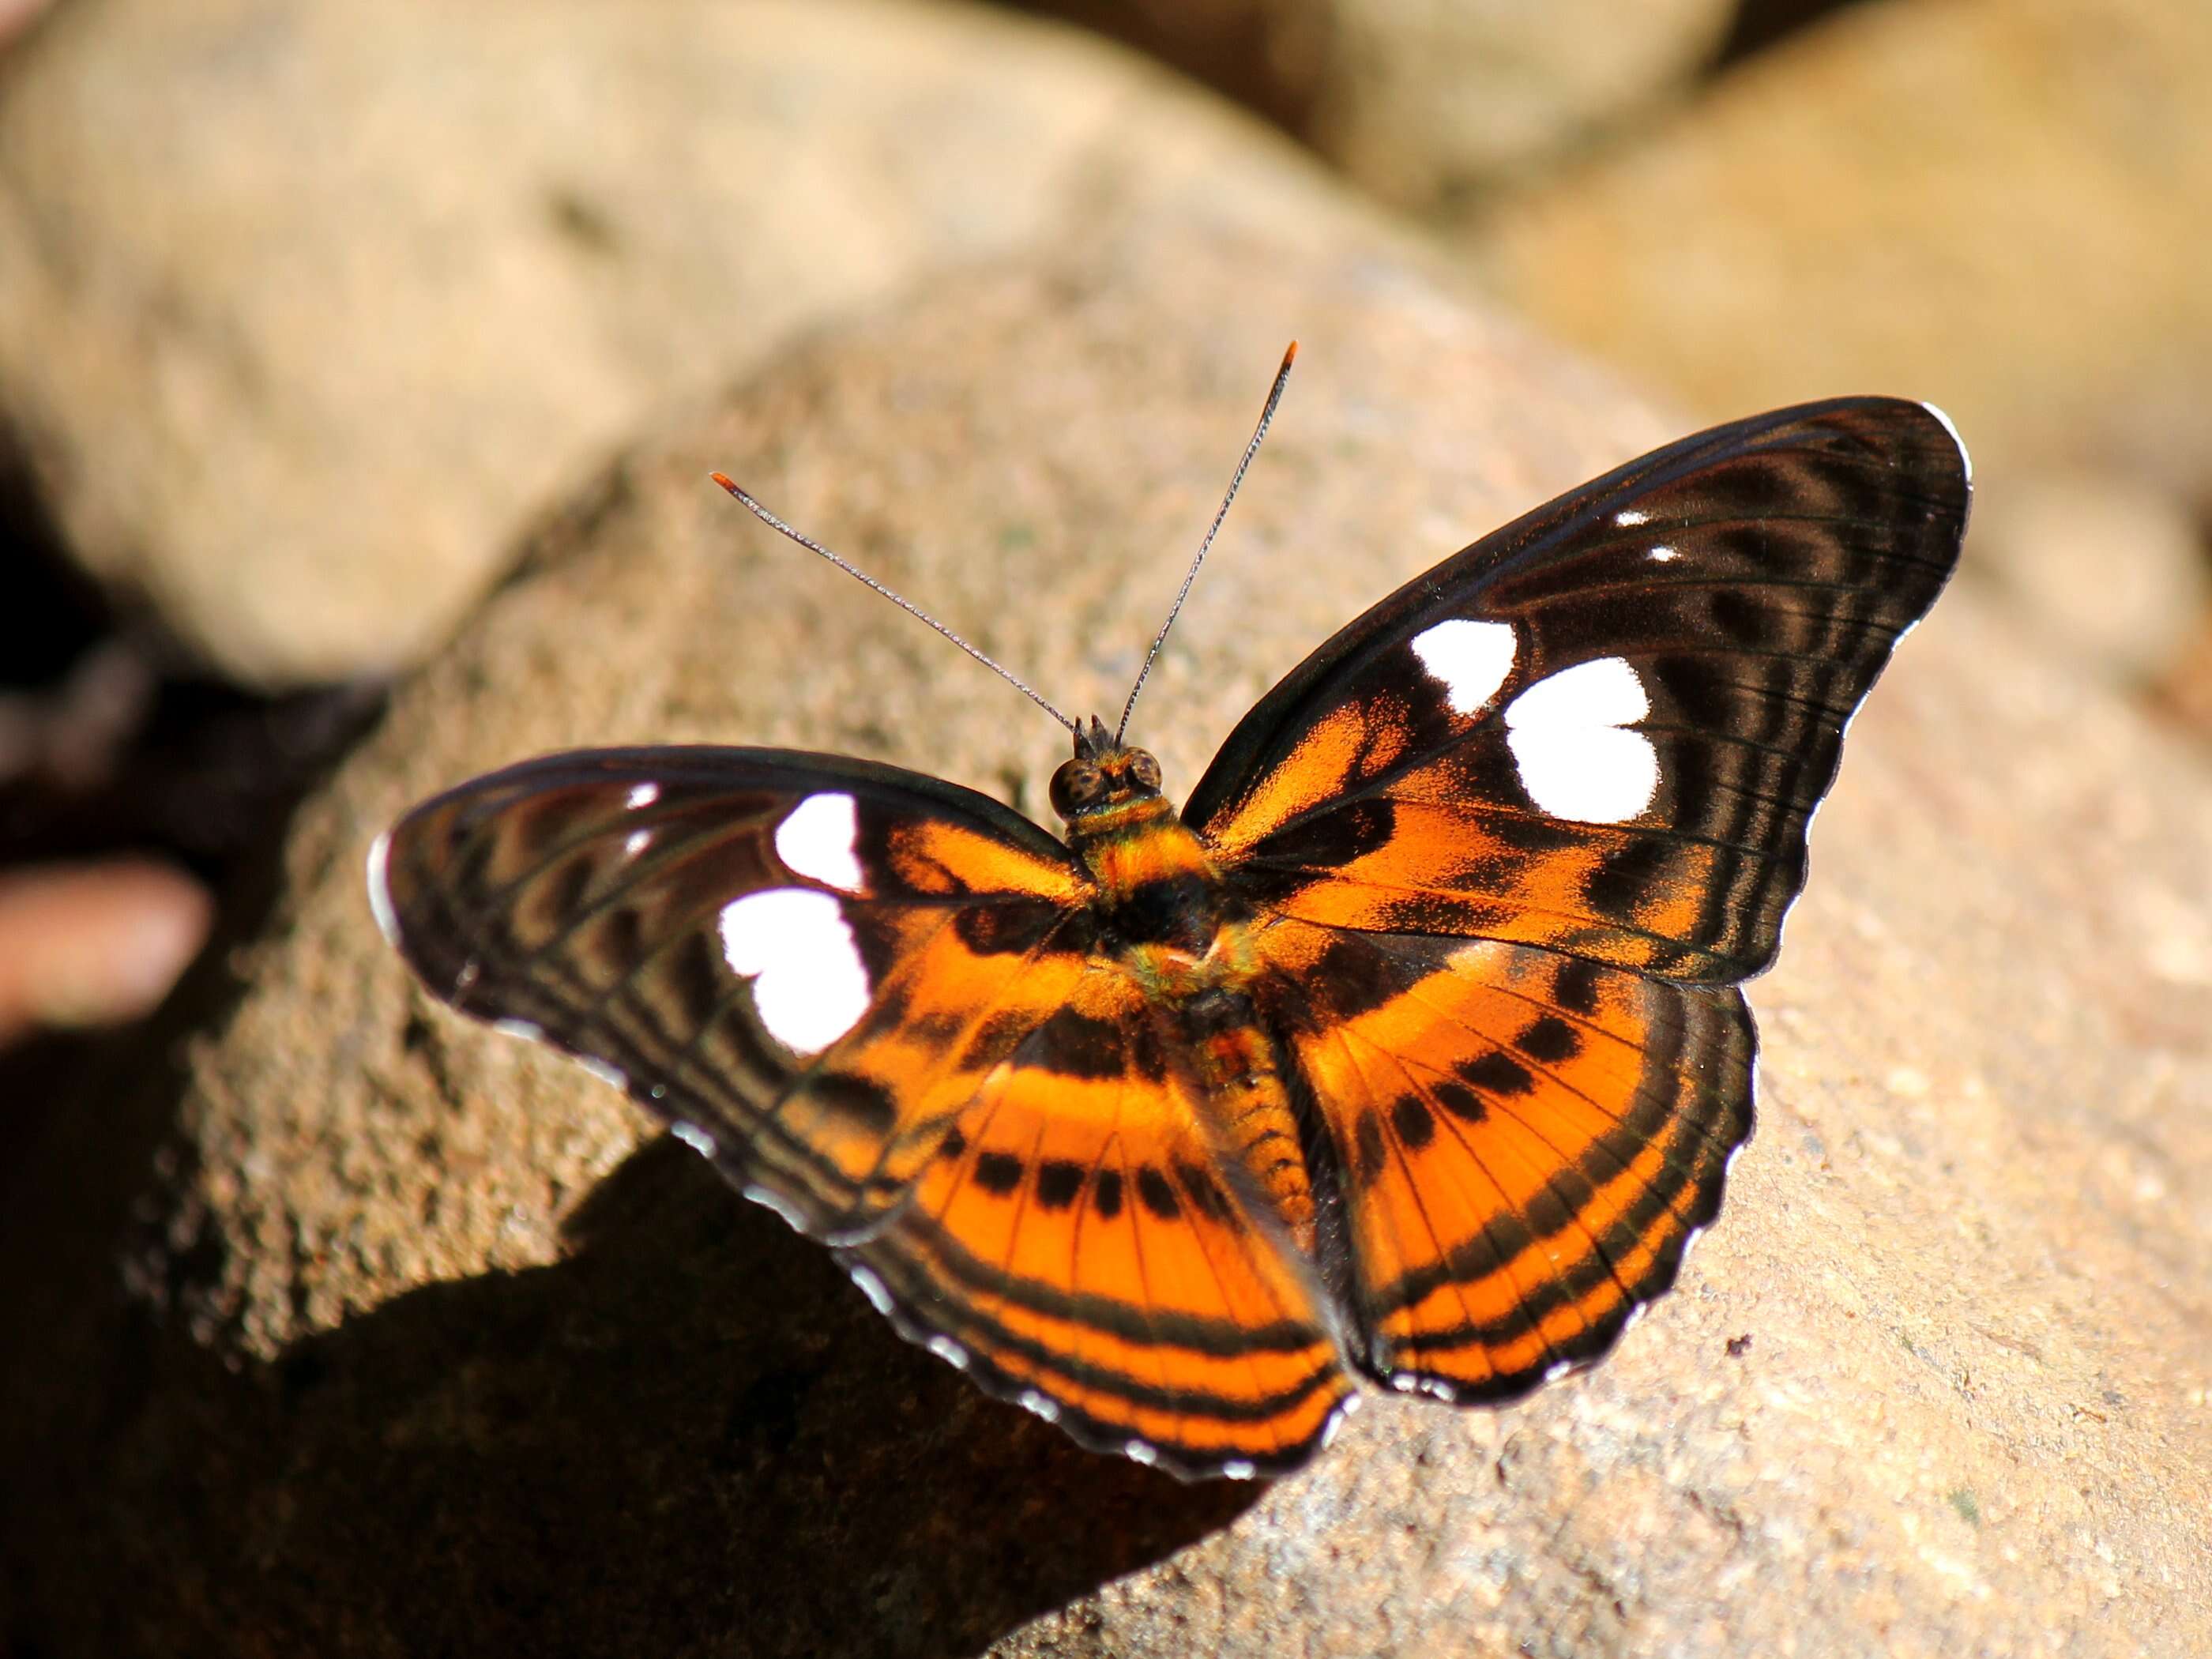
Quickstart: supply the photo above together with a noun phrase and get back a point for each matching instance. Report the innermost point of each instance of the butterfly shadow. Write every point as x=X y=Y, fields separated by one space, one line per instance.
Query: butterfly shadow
x=690 y=1435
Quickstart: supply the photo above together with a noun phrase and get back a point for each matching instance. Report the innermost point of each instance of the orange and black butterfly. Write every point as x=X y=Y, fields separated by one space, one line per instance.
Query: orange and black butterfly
x=1409 y=1052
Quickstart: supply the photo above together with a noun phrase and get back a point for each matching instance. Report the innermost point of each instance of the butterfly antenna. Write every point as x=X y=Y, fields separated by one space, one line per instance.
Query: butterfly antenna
x=900 y=600
x=1259 y=433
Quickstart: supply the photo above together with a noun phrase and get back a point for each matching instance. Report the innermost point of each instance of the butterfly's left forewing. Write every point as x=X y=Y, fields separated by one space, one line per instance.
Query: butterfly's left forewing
x=808 y=961
x=1605 y=728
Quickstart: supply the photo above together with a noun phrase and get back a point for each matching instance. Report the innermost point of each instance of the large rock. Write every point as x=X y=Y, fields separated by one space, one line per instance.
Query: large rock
x=426 y=1342
x=1429 y=105
x=304 y=309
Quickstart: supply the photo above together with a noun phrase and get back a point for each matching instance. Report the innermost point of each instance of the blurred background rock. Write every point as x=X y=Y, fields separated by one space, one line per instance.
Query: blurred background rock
x=314 y=316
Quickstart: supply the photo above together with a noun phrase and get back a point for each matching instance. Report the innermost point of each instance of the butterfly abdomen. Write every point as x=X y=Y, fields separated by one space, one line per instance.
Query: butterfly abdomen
x=1161 y=913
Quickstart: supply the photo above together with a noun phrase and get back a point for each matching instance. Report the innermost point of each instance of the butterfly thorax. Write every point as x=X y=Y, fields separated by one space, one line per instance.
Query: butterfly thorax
x=1158 y=890
x=1163 y=915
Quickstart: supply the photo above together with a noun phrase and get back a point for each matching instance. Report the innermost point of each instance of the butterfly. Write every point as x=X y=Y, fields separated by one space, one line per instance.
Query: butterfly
x=1409 y=1053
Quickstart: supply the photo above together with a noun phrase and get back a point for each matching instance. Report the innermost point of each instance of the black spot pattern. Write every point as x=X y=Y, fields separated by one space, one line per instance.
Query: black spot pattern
x=1058 y=1181
x=1158 y=1195
x=1630 y=875
x=1368 y=1150
x=998 y=1173
x=1205 y=1195
x=1497 y=1074
x=1416 y=1129
x=1009 y=928
x=1330 y=840
x=1742 y=616
x=1106 y=1194
x=1460 y=1101
x=1076 y=1045
x=698 y=975
x=1550 y=1040
x=864 y=1101
x=1576 y=988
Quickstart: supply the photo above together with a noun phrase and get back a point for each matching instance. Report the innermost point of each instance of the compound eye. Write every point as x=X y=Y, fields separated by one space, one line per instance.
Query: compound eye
x=1075 y=786
x=1144 y=770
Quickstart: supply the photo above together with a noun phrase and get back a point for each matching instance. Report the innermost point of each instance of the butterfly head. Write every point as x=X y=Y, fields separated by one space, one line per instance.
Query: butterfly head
x=1104 y=775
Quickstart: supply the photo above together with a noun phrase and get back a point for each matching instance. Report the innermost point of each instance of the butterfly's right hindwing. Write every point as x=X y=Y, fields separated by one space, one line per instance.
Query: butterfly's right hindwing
x=809 y=962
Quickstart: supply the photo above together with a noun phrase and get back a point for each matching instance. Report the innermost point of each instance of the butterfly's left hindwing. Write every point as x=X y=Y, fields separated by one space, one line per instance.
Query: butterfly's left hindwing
x=1082 y=1243
x=1525 y=1142
x=809 y=961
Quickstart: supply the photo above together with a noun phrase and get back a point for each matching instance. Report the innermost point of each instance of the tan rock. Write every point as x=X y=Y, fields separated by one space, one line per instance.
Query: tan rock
x=1998 y=204
x=2116 y=571
x=420 y=1348
x=304 y=309
x=1428 y=103
x=1432 y=103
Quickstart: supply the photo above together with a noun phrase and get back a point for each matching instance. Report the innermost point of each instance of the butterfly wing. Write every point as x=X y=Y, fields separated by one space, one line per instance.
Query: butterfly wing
x=1512 y=836
x=870 y=997
x=1604 y=728
x=1527 y=1141
x=1075 y=1245
x=802 y=961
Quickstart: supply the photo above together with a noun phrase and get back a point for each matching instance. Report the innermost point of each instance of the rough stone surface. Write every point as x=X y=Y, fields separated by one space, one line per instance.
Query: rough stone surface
x=1428 y=103
x=2119 y=571
x=305 y=309
x=1431 y=105
x=426 y=1344
x=1998 y=204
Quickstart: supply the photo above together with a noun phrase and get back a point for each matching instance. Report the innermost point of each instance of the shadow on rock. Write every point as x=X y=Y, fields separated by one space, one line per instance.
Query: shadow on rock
x=691 y=1436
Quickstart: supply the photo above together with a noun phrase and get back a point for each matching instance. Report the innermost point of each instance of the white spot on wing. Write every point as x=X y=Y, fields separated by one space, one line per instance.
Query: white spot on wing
x=1558 y=1369
x=517 y=1027
x=773 y=1200
x=873 y=1288
x=380 y=890
x=1140 y=1453
x=1629 y=517
x=810 y=987
x=638 y=841
x=605 y=1072
x=949 y=1352
x=816 y=839
x=694 y=1137
x=1567 y=737
x=1237 y=1468
x=1471 y=659
x=1663 y=554
x=643 y=794
x=1031 y=1401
